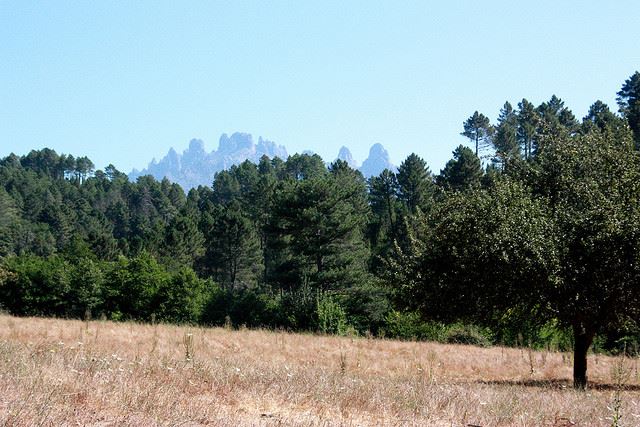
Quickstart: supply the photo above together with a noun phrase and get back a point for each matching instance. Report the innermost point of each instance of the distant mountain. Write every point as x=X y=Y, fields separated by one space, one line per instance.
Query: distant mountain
x=345 y=155
x=377 y=161
x=197 y=167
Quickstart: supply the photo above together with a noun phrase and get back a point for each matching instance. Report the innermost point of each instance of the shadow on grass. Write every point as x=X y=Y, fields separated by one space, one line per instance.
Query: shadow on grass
x=561 y=384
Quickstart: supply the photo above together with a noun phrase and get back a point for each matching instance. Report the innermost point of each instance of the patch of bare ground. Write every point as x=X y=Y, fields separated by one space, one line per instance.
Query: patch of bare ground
x=66 y=372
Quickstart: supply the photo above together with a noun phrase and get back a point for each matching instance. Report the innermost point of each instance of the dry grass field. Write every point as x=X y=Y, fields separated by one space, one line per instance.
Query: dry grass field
x=63 y=372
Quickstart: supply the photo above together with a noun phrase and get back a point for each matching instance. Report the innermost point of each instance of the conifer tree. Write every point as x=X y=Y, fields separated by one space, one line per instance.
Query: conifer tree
x=479 y=130
x=462 y=172
x=629 y=103
x=528 y=120
x=415 y=183
x=505 y=140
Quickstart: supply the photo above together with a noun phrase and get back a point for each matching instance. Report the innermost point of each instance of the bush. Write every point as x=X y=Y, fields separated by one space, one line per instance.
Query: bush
x=410 y=326
x=366 y=305
x=182 y=299
x=467 y=334
x=551 y=336
x=332 y=318
x=36 y=286
x=403 y=325
x=247 y=307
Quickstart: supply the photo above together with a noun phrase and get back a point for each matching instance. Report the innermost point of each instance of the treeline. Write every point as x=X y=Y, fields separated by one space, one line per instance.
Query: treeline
x=533 y=235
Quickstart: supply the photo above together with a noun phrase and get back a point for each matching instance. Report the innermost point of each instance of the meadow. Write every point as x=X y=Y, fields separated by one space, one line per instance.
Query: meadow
x=68 y=372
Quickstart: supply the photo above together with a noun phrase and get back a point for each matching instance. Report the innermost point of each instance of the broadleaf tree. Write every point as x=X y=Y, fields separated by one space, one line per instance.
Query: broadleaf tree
x=565 y=246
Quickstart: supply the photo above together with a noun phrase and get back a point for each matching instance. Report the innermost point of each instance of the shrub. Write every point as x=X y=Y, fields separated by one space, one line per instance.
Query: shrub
x=332 y=318
x=408 y=325
x=467 y=334
x=403 y=325
x=36 y=286
x=182 y=299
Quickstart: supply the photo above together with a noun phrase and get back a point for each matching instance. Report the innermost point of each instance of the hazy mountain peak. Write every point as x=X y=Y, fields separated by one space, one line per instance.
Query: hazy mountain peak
x=195 y=145
x=345 y=155
x=377 y=161
x=172 y=159
x=237 y=141
x=271 y=149
x=197 y=167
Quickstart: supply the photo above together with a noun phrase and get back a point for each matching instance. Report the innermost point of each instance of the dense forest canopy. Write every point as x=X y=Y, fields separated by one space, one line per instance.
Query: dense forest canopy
x=531 y=236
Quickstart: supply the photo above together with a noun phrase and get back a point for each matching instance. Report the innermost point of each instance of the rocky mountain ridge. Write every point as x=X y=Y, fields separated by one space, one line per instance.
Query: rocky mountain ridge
x=196 y=167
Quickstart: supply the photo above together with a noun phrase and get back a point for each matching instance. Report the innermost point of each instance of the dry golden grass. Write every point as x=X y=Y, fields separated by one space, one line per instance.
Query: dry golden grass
x=64 y=372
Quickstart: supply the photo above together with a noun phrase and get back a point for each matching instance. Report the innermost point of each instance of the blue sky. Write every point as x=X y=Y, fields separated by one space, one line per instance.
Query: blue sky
x=123 y=81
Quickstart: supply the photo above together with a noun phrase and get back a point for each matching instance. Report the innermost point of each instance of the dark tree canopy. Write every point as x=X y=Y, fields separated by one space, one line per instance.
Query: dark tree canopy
x=415 y=183
x=505 y=140
x=462 y=172
x=566 y=247
x=629 y=103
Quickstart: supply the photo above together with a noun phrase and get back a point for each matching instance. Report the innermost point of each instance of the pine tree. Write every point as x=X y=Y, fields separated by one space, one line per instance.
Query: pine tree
x=318 y=226
x=183 y=243
x=505 y=140
x=555 y=121
x=385 y=212
x=479 y=130
x=232 y=255
x=415 y=183
x=528 y=120
x=383 y=197
x=462 y=172
x=629 y=103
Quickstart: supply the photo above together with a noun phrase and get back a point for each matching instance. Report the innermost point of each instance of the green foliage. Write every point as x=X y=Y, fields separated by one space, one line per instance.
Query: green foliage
x=246 y=307
x=629 y=103
x=415 y=183
x=182 y=299
x=133 y=286
x=553 y=337
x=317 y=232
x=505 y=140
x=554 y=121
x=36 y=286
x=183 y=243
x=9 y=224
x=78 y=287
x=479 y=130
x=410 y=326
x=528 y=120
x=461 y=173
x=600 y=118
x=86 y=284
x=332 y=318
x=592 y=184
x=468 y=334
x=366 y=305
x=475 y=254
x=385 y=206
x=232 y=255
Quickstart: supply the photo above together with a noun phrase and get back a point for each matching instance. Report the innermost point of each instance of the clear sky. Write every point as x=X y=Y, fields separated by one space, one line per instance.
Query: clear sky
x=123 y=81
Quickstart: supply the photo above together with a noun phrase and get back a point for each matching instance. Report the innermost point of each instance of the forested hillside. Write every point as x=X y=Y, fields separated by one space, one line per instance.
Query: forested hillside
x=531 y=237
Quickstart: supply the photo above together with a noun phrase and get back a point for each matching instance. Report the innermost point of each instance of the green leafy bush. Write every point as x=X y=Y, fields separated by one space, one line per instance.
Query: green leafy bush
x=467 y=334
x=410 y=326
x=332 y=318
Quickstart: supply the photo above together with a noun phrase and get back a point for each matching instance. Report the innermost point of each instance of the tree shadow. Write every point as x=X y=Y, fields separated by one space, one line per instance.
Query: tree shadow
x=561 y=384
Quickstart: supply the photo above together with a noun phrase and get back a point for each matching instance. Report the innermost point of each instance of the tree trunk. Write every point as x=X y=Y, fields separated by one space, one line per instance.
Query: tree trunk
x=582 y=342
